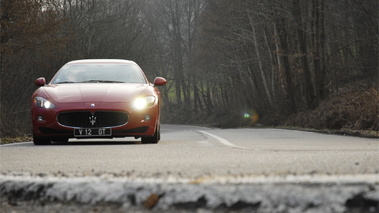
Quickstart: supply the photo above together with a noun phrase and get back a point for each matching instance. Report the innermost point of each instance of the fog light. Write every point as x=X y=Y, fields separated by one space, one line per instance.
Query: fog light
x=147 y=117
x=40 y=119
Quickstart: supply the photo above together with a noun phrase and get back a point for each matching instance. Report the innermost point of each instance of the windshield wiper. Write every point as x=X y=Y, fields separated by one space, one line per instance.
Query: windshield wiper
x=101 y=81
x=111 y=81
x=65 y=82
x=89 y=81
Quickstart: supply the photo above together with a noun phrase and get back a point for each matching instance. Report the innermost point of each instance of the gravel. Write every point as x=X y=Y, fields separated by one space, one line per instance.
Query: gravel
x=106 y=193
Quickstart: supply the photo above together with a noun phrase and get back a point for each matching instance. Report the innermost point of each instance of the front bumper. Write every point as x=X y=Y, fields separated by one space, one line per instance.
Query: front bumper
x=140 y=123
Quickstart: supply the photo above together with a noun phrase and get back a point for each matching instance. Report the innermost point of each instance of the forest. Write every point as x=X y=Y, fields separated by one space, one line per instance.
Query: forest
x=228 y=63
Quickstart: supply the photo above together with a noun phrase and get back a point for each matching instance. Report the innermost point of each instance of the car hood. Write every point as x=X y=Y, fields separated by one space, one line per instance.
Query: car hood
x=94 y=92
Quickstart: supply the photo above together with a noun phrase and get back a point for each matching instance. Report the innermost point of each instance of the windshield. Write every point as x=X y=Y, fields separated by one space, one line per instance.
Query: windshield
x=99 y=73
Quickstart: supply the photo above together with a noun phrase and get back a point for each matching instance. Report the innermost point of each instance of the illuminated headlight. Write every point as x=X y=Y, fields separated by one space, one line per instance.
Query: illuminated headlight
x=43 y=103
x=143 y=102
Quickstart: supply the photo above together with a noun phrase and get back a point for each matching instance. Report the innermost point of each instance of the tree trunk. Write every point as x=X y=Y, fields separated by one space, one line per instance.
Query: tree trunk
x=318 y=37
x=309 y=89
x=263 y=75
x=281 y=33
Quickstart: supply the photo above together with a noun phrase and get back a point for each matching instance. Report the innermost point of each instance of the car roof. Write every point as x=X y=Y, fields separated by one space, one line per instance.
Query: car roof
x=84 y=61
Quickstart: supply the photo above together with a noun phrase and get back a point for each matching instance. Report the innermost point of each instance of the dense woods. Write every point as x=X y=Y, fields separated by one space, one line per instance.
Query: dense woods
x=226 y=61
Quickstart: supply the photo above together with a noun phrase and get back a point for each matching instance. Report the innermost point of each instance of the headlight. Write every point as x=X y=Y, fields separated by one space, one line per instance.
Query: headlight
x=43 y=103
x=143 y=102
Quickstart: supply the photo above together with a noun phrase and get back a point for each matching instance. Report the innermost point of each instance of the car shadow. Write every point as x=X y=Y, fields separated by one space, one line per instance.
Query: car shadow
x=96 y=143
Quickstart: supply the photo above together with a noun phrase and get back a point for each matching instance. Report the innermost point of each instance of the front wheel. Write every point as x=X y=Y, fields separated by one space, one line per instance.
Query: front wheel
x=41 y=140
x=153 y=139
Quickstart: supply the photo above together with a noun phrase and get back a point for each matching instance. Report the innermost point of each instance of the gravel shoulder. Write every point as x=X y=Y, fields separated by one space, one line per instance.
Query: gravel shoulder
x=244 y=194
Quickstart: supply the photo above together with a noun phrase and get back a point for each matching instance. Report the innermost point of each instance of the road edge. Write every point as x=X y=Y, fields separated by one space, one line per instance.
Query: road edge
x=259 y=194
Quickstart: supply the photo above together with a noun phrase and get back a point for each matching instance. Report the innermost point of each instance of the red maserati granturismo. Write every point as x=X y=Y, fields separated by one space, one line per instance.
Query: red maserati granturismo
x=97 y=98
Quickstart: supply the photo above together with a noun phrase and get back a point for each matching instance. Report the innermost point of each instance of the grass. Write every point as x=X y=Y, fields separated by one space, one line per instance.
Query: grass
x=349 y=112
x=347 y=132
x=8 y=140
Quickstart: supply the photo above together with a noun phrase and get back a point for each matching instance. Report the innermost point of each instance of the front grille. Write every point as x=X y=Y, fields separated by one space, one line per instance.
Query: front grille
x=88 y=119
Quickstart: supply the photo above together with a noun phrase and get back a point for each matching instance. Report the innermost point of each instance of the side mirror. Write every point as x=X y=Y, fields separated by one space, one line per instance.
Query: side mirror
x=159 y=81
x=39 y=82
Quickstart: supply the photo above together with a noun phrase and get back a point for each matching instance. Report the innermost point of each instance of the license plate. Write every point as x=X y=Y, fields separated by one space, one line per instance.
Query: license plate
x=92 y=132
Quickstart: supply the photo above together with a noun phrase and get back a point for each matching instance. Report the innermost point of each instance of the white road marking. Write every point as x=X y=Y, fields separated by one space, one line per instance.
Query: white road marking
x=221 y=140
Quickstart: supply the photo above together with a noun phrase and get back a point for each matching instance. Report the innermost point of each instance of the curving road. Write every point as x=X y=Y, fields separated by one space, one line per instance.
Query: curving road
x=195 y=169
x=194 y=152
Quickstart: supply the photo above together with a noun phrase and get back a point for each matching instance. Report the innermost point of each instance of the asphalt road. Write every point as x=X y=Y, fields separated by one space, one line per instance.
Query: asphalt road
x=196 y=152
x=194 y=169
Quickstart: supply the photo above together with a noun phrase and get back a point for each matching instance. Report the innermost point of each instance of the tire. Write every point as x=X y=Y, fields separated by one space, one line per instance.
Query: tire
x=153 y=139
x=41 y=140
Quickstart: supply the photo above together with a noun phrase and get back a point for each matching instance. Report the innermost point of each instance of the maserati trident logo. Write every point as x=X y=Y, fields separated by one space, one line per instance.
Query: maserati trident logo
x=92 y=119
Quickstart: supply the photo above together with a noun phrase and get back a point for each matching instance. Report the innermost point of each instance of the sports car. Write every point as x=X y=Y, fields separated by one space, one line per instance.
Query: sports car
x=97 y=98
